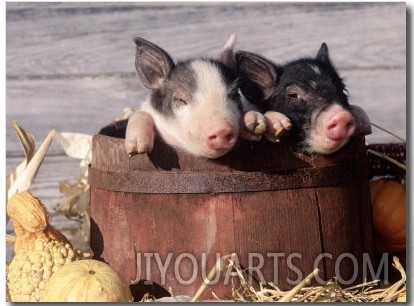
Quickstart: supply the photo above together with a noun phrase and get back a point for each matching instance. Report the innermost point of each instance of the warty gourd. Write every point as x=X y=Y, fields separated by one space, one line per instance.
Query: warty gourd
x=40 y=249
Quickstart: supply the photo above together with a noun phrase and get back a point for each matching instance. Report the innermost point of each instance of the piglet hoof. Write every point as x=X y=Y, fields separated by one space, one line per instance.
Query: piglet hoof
x=277 y=125
x=253 y=126
x=140 y=147
x=140 y=134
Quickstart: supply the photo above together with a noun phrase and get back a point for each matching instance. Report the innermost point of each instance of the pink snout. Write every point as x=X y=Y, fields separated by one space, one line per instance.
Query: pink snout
x=341 y=125
x=222 y=137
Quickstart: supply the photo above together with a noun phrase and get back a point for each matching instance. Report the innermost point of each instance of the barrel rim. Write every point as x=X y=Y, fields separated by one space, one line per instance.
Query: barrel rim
x=174 y=182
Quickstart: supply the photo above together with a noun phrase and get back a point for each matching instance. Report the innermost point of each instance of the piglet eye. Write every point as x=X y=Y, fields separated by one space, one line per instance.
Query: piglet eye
x=182 y=101
x=179 y=101
x=293 y=95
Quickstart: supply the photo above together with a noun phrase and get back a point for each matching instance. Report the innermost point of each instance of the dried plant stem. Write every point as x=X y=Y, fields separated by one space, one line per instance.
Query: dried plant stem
x=393 y=291
x=217 y=268
x=387 y=131
x=371 y=283
x=315 y=298
x=290 y=294
x=27 y=176
x=391 y=160
x=387 y=158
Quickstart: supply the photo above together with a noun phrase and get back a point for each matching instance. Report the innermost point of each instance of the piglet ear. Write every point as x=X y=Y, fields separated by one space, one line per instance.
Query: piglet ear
x=323 y=54
x=363 y=123
x=258 y=76
x=153 y=64
x=227 y=55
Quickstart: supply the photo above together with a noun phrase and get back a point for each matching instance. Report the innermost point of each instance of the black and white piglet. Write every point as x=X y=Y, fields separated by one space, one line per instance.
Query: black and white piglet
x=310 y=93
x=194 y=105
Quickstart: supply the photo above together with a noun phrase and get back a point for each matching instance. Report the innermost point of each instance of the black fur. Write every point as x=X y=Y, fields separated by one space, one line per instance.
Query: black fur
x=300 y=89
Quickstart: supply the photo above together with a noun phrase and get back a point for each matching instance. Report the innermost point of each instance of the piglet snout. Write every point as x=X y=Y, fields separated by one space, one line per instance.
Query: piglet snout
x=222 y=137
x=341 y=125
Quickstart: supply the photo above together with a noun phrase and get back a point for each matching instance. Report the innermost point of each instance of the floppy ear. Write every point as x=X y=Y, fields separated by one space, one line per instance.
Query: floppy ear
x=258 y=76
x=363 y=123
x=323 y=54
x=153 y=64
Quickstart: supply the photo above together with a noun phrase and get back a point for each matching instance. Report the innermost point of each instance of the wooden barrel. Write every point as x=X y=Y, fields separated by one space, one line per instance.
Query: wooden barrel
x=165 y=218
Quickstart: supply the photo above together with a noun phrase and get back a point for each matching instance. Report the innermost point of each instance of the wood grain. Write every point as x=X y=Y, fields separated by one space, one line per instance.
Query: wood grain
x=278 y=232
x=96 y=38
x=73 y=63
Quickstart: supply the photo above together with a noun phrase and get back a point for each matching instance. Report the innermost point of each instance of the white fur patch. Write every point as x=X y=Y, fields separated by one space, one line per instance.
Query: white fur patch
x=318 y=143
x=315 y=69
x=210 y=106
x=210 y=85
x=313 y=84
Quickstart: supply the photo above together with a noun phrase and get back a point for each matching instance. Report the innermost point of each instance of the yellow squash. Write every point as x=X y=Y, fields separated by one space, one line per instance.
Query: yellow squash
x=87 y=280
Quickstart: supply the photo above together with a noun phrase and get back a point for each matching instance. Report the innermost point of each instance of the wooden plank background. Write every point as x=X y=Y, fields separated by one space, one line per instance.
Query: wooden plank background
x=70 y=66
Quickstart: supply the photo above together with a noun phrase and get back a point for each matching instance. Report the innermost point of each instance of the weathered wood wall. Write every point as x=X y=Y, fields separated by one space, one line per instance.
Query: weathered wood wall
x=70 y=66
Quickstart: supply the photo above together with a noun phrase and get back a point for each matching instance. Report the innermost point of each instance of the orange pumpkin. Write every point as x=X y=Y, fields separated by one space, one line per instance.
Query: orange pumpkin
x=388 y=198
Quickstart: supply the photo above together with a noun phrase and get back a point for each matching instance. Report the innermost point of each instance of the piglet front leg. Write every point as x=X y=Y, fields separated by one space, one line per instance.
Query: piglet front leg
x=140 y=133
x=253 y=125
x=277 y=125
